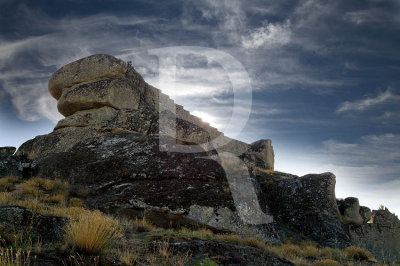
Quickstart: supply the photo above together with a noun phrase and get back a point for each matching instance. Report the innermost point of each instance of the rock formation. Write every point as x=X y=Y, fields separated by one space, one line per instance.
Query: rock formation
x=14 y=220
x=121 y=140
x=110 y=141
x=381 y=236
x=350 y=210
x=100 y=94
x=308 y=204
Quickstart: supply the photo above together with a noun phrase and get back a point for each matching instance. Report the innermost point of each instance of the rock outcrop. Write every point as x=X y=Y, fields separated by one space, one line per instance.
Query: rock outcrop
x=308 y=204
x=350 y=210
x=16 y=221
x=11 y=165
x=127 y=174
x=100 y=94
x=7 y=151
x=365 y=214
x=381 y=236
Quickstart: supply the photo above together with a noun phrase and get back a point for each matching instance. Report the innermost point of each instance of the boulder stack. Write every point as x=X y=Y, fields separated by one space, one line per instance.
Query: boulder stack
x=101 y=95
x=110 y=139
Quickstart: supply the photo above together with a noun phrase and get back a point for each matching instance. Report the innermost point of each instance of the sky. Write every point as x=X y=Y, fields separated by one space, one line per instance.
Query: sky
x=324 y=76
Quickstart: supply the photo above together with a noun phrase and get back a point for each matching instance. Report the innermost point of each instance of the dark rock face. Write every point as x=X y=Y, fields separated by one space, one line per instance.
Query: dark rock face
x=7 y=151
x=350 y=210
x=17 y=166
x=308 y=204
x=128 y=174
x=365 y=213
x=18 y=220
x=261 y=154
x=381 y=237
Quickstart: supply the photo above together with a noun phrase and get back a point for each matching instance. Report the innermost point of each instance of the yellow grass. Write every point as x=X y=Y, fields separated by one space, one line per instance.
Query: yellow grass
x=232 y=238
x=356 y=253
x=143 y=225
x=75 y=202
x=39 y=186
x=92 y=232
x=8 y=183
x=9 y=257
x=6 y=198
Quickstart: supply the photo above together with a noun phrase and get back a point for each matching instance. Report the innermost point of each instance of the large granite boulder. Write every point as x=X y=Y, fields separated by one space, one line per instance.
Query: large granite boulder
x=350 y=210
x=127 y=174
x=117 y=93
x=365 y=214
x=260 y=154
x=308 y=204
x=86 y=70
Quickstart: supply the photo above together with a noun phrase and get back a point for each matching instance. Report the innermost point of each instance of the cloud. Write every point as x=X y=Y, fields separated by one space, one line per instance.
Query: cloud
x=269 y=36
x=368 y=103
x=379 y=152
x=367 y=168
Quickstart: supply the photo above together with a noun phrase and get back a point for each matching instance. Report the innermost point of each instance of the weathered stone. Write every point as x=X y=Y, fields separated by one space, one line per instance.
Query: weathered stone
x=17 y=220
x=18 y=166
x=350 y=210
x=85 y=88
x=381 y=237
x=125 y=171
x=117 y=93
x=261 y=154
x=87 y=69
x=57 y=141
x=385 y=218
x=229 y=220
x=308 y=204
x=7 y=151
x=365 y=213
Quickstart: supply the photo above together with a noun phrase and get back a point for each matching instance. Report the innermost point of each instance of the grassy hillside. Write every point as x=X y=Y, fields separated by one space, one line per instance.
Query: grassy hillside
x=93 y=238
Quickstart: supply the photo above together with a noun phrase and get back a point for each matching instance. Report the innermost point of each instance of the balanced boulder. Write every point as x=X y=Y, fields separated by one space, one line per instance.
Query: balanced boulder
x=86 y=69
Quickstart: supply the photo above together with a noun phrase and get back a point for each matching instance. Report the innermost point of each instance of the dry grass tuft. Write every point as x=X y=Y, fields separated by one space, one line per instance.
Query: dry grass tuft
x=356 y=253
x=41 y=186
x=128 y=255
x=6 y=198
x=143 y=225
x=9 y=257
x=7 y=183
x=231 y=238
x=255 y=242
x=76 y=202
x=92 y=232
